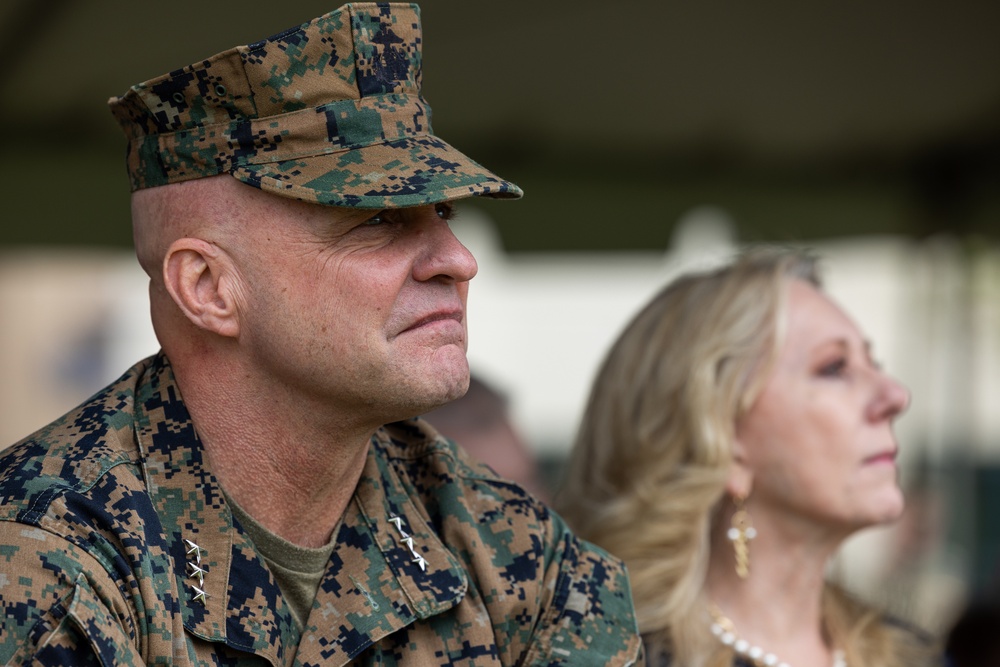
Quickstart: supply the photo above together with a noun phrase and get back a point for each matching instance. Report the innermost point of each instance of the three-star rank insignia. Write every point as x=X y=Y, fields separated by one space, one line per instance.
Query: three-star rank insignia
x=406 y=539
x=196 y=571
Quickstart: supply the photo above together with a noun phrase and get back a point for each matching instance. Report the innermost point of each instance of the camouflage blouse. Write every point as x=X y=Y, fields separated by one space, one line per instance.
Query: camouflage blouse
x=117 y=548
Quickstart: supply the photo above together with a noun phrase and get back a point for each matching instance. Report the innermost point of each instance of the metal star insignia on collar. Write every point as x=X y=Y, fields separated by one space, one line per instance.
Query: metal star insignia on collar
x=398 y=520
x=196 y=571
x=408 y=541
x=193 y=550
x=200 y=595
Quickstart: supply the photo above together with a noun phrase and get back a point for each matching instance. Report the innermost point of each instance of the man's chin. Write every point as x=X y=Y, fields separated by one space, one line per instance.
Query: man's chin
x=452 y=387
x=450 y=368
x=444 y=381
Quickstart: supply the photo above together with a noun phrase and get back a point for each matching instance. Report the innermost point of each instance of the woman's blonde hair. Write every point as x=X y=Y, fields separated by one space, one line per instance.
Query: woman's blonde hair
x=646 y=478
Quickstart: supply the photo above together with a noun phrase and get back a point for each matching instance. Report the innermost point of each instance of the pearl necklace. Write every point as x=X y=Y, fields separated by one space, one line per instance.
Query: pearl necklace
x=725 y=632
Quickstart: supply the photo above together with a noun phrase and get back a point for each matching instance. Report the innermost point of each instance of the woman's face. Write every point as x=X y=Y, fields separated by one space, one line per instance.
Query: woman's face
x=818 y=444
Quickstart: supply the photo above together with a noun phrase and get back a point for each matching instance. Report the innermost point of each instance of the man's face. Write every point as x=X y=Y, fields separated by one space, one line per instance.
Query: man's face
x=358 y=311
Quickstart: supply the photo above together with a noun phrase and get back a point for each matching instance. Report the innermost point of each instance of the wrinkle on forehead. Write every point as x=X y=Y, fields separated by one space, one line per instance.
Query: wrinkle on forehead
x=239 y=218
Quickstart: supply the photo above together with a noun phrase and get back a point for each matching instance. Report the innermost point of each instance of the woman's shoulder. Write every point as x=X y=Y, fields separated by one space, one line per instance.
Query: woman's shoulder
x=910 y=630
x=665 y=660
x=899 y=636
x=659 y=656
x=908 y=642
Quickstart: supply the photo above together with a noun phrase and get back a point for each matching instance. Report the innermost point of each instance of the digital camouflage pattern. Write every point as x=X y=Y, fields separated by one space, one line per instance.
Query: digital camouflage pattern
x=329 y=112
x=111 y=525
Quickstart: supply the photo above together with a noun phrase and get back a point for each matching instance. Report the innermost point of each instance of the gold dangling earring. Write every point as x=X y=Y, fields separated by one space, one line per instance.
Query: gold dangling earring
x=740 y=532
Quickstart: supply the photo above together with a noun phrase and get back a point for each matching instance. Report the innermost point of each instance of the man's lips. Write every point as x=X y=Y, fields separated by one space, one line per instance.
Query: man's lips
x=444 y=316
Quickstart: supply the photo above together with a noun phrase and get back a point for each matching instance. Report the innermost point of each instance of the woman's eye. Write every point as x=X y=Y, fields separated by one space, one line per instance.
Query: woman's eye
x=835 y=368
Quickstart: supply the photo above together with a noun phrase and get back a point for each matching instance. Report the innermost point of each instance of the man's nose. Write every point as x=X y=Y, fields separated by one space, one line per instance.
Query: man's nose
x=443 y=255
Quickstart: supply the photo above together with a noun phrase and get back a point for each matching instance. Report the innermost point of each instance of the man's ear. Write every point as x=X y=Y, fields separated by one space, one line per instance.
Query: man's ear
x=199 y=277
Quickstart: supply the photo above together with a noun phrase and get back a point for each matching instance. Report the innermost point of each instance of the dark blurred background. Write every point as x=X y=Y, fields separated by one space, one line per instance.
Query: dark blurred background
x=805 y=120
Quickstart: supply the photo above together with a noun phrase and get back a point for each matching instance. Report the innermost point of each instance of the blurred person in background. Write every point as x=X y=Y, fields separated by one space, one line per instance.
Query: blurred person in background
x=481 y=424
x=260 y=491
x=974 y=639
x=919 y=581
x=738 y=432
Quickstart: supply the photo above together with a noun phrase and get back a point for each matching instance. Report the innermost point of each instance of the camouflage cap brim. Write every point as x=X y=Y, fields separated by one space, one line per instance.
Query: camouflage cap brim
x=406 y=172
x=329 y=112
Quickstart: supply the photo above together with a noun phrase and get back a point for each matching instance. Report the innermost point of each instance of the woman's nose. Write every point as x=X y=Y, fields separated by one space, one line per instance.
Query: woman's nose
x=892 y=399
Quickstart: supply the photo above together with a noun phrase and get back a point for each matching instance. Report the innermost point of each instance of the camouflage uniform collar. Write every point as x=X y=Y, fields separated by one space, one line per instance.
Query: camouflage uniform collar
x=375 y=582
x=431 y=577
x=200 y=532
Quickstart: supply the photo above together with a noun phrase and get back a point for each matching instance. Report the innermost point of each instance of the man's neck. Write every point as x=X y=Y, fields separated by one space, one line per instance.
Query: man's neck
x=293 y=473
x=299 y=498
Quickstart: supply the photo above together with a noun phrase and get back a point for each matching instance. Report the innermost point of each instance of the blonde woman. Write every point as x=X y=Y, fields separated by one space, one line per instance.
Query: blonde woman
x=738 y=432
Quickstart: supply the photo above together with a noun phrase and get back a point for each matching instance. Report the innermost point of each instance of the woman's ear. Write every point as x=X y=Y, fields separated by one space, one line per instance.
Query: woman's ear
x=199 y=277
x=739 y=483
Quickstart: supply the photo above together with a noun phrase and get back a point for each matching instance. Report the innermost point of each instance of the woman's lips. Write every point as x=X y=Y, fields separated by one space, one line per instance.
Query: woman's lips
x=882 y=458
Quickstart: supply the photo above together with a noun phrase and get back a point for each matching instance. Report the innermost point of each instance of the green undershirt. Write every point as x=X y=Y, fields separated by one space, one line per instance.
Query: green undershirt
x=298 y=570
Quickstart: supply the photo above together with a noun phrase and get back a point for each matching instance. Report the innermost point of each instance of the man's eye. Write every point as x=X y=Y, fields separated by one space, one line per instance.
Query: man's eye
x=376 y=219
x=444 y=210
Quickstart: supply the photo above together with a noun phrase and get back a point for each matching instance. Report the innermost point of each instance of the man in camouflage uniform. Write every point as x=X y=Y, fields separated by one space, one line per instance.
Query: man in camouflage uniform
x=235 y=499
